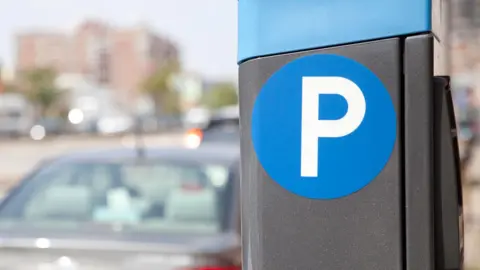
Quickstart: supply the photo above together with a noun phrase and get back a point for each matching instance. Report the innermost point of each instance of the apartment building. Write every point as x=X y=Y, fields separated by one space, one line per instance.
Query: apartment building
x=117 y=58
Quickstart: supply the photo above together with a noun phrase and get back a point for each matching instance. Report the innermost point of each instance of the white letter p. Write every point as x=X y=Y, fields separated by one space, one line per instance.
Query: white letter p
x=313 y=128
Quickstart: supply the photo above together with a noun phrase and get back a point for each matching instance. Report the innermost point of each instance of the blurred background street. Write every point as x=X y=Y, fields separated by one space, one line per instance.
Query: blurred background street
x=80 y=75
x=88 y=77
x=86 y=89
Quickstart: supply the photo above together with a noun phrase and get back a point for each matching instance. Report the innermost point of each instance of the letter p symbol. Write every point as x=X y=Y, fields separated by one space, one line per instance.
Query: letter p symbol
x=313 y=128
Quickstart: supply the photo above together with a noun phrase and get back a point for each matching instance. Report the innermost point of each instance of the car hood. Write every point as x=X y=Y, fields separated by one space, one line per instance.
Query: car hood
x=50 y=252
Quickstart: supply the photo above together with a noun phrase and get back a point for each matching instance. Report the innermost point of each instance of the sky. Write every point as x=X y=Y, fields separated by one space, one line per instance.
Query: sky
x=205 y=30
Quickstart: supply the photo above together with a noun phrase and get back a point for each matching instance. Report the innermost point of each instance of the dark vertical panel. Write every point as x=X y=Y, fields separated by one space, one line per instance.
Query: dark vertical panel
x=419 y=155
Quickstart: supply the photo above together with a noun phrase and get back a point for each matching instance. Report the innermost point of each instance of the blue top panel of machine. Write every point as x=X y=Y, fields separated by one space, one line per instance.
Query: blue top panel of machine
x=277 y=26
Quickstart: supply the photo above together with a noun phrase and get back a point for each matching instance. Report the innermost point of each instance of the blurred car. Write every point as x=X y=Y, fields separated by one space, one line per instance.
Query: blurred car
x=196 y=118
x=153 y=124
x=16 y=115
x=122 y=209
x=222 y=127
x=115 y=124
x=49 y=126
x=148 y=123
x=169 y=123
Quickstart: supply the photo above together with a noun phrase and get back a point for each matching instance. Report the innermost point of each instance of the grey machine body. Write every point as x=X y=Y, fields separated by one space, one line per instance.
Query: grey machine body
x=407 y=218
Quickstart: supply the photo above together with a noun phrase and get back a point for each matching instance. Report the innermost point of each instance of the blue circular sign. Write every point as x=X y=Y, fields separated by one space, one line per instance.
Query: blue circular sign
x=323 y=126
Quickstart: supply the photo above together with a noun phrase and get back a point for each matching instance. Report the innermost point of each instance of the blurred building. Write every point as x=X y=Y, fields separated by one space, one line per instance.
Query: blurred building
x=134 y=54
x=465 y=14
x=117 y=58
x=7 y=77
x=44 y=49
x=2 y=84
x=465 y=43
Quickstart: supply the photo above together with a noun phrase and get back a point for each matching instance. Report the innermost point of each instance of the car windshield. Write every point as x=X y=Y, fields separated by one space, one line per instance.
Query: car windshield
x=163 y=197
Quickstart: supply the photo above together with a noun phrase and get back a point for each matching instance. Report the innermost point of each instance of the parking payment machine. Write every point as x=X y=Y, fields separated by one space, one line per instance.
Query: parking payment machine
x=349 y=152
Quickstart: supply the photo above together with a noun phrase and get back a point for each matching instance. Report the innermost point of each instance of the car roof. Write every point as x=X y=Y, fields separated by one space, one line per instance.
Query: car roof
x=218 y=153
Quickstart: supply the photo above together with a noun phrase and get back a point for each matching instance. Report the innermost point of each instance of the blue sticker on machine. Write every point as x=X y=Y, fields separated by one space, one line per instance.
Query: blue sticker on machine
x=323 y=126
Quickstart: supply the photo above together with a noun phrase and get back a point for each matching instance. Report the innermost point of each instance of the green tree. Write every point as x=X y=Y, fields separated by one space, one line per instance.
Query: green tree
x=159 y=87
x=39 y=87
x=220 y=95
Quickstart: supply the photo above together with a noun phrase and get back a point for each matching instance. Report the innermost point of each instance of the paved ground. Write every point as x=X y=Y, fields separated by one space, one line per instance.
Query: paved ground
x=19 y=156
